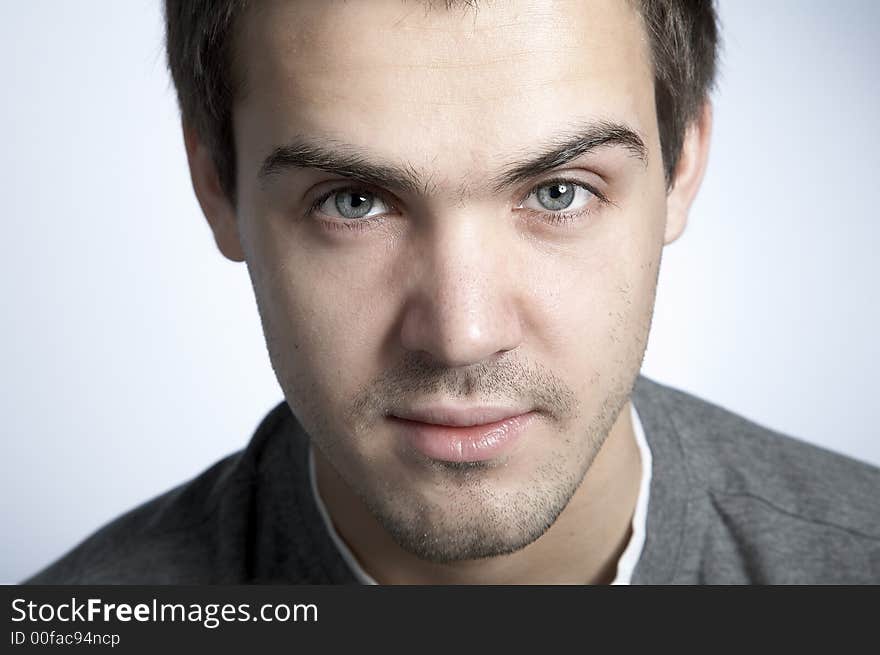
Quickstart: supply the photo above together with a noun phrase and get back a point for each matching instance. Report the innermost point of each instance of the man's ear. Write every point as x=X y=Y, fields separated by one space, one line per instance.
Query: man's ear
x=688 y=173
x=216 y=206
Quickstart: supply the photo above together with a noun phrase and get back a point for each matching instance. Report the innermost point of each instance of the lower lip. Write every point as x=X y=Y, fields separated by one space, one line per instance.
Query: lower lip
x=475 y=443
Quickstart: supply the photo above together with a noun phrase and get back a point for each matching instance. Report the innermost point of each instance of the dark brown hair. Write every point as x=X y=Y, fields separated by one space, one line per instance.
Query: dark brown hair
x=683 y=35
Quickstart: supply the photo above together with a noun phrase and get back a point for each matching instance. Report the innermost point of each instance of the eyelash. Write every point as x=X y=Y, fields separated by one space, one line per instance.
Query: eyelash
x=554 y=218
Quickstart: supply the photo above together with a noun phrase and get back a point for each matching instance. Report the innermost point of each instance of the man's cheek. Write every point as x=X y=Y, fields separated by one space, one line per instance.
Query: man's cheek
x=331 y=350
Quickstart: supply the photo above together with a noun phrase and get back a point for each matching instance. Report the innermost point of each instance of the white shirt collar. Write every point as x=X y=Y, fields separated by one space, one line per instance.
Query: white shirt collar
x=633 y=551
x=625 y=565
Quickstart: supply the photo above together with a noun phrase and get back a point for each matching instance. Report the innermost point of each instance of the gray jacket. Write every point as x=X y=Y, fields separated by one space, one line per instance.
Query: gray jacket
x=730 y=502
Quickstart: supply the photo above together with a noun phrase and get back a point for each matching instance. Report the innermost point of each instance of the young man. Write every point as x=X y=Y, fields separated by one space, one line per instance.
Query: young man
x=453 y=215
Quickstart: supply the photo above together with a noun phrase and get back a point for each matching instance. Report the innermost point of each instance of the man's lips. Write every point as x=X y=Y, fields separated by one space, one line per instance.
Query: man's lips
x=452 y=416
x=462 y=435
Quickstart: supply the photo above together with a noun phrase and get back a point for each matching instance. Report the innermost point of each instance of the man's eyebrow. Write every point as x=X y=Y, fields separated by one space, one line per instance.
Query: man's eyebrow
x=353 y=163
x=565 y=147
x=340 y=159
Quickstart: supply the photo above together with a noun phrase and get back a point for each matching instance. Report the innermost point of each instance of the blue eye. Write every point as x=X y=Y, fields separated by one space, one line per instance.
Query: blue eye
x=559 y=195
x=353 y=204
x=350 y=204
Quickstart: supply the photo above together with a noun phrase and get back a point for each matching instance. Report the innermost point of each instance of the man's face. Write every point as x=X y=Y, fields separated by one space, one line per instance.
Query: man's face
x=462 y=278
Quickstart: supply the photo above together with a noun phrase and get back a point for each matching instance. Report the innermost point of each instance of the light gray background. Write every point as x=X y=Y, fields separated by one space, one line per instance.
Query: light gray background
x=132 y=354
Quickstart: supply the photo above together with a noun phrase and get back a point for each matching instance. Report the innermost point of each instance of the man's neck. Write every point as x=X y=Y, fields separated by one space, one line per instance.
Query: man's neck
x=581 y=547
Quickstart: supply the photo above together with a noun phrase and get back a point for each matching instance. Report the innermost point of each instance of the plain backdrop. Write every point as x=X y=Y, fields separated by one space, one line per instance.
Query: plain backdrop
x=131 y=351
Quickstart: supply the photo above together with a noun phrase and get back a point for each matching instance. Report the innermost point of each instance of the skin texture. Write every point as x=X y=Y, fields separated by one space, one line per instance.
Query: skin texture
x=457 y=291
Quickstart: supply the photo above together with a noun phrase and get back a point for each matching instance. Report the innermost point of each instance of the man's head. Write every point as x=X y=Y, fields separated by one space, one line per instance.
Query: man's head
x=450 y=205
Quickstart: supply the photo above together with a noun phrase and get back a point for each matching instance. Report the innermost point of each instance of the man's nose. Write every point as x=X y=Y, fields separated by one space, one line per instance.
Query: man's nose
x=462 y=302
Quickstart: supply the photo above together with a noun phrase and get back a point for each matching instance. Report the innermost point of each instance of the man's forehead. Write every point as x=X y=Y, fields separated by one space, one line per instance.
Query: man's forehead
x=463 y=88
x=315 y=23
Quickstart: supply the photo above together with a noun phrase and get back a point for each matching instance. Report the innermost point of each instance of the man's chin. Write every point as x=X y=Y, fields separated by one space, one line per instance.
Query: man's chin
x=473 y=522
x=462 y=543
